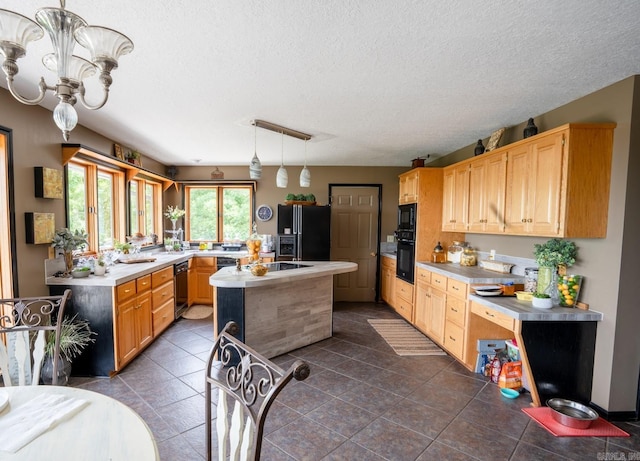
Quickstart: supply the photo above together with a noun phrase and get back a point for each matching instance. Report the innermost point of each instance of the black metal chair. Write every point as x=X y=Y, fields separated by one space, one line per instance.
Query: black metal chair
x=251 y=381
x=24 y=323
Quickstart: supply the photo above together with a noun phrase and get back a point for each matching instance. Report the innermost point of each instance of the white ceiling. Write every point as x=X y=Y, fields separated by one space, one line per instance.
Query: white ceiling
x=376 y=82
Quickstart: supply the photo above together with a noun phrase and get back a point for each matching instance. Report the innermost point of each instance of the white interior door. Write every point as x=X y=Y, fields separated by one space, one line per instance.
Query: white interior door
x=354 y=238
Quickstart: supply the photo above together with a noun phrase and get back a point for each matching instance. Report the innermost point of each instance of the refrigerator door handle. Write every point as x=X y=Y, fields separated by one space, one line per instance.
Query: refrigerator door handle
x=295 y=219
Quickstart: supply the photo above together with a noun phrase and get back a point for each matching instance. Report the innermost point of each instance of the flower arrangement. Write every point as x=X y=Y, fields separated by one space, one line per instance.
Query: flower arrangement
x=555 y=252
x=174 y=213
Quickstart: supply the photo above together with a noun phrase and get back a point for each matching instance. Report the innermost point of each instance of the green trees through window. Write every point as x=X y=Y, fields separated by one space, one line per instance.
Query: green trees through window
x=218 y=213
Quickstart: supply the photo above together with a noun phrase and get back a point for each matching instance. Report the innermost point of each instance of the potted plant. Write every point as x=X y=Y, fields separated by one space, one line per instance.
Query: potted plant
x=541 y=301
x=553 y=257
x=133 y=157
x=100 y=265
x=68 y=242
x=75 y=335
x=124 y=247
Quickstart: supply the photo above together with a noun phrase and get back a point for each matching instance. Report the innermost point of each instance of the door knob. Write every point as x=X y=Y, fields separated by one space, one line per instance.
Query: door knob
x=374 y=254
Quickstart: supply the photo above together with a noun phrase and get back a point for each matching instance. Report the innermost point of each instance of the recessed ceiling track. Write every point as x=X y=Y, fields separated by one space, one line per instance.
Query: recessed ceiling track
x=281 y=129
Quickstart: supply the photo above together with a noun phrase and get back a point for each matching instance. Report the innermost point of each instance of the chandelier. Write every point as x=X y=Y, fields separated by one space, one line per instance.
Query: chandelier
x=65 y=29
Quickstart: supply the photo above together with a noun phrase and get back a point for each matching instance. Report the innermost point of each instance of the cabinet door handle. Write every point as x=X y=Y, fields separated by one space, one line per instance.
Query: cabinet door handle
x=454 y=310
x=489 y=314
x=452 y=338
x=127 y=291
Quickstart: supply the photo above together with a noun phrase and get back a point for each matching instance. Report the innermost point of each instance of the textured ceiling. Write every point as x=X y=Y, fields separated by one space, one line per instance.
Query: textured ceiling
x=376 y=82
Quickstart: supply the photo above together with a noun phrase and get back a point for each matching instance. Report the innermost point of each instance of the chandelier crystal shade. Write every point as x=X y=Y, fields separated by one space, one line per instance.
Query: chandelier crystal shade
x=65 y=30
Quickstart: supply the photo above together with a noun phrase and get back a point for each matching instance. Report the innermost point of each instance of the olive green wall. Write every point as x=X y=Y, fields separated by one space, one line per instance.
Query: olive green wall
x=610 y=272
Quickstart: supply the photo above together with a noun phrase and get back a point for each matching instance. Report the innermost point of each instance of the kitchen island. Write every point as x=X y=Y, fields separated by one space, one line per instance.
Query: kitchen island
x=288 y=308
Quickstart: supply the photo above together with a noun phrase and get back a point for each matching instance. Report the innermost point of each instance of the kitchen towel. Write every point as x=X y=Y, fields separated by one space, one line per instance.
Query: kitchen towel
x=403 y=338
x=26 y=422
x=599 y=428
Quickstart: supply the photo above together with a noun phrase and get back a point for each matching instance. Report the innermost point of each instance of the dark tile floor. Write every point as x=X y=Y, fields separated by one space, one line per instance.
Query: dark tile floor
x=361 y=402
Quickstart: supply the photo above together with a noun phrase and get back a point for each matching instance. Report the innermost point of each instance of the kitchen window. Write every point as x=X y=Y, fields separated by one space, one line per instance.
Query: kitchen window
x=95 y=203
x=145 y=207
x=218 y=213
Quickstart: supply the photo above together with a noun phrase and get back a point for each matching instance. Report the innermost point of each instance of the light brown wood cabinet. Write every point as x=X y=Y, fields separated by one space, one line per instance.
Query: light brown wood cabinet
x=429 y=306
x=456 y=198
x=456 y=318
x=487 y=185
x=162 y=299
x=404 y=299
x=409 y=185
x=134 y=327
x=388 y=280
x=204 y=267
x=534 y=180
x=556 y=184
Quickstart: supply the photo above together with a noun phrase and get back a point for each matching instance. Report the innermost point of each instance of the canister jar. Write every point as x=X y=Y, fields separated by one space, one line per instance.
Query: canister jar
x=531 y=279
x=468 y=257
x=454 y=252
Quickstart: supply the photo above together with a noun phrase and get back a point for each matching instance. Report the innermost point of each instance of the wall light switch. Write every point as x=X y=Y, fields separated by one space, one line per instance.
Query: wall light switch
x=390 y=239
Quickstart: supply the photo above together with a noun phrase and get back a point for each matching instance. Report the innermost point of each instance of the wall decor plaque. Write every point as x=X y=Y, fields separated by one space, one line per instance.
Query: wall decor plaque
x=48 y=182
x=40 y=227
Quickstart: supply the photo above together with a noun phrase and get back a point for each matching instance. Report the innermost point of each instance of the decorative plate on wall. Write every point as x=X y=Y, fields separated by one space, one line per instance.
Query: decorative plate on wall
x=264 y=213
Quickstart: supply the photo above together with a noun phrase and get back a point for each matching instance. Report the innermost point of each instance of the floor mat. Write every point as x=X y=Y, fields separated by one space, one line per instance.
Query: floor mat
x=198 y=312
x=404 y=339
x=599 y=428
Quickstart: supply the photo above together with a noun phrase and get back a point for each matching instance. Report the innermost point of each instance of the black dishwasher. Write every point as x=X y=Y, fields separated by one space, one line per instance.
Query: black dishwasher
x=181 y=272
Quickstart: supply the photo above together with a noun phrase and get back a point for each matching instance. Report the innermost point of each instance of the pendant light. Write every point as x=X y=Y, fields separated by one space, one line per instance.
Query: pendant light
x=282 y=178
x=305 y=174
x=255 y=167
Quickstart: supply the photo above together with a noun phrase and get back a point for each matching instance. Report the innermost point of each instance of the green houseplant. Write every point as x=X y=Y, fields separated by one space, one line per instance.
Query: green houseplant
x=553 y=257
x=75 y=335
x=68 y=242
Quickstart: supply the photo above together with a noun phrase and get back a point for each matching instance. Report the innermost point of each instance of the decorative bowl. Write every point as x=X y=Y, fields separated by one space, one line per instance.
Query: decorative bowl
x=78 y=274
x=259 y=270
x=542 y=303
x=572 y=414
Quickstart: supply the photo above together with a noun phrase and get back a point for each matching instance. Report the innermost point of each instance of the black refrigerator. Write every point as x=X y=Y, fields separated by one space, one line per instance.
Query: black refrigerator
x=304 y=233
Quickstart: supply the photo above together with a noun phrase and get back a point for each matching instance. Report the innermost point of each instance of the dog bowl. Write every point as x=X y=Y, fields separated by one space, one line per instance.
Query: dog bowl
x=572 y=414
x=509 y=393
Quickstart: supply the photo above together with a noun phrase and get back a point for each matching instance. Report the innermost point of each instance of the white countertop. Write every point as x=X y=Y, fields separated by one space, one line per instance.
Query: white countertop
x=523 y=310
x=229 y=277
x=121 y=273
x=470 y=274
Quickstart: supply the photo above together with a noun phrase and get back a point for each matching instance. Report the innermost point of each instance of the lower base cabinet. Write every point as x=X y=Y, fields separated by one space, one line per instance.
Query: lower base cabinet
x=134 y=327
x=388 y=280
x=404 y=299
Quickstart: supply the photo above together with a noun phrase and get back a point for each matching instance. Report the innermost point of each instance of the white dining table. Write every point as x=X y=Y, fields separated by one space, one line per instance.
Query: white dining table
x=105 y=429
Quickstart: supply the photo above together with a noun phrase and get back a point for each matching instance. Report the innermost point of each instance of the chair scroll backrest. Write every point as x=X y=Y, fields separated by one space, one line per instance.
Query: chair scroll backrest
x=24 y=323
x=252 y=383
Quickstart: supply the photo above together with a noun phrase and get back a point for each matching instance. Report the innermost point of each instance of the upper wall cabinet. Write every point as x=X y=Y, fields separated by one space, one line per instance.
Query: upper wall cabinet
x=409 y=183
x=555 y=184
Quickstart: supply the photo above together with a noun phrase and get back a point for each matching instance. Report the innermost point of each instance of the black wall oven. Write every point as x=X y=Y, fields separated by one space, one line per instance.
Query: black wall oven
x=405 y=256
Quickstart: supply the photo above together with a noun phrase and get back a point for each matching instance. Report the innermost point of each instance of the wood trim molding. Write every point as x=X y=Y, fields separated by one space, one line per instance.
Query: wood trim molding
x=69 y=151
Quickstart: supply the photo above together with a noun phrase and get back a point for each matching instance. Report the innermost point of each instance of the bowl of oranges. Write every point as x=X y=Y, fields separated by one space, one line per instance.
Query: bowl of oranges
x=569 y=289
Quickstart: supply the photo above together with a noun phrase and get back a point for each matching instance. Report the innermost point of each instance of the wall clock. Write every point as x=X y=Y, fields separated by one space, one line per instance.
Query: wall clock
x=264 y=213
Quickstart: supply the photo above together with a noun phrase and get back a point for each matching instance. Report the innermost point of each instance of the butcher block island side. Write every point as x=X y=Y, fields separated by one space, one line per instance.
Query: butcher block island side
x=288 y=308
